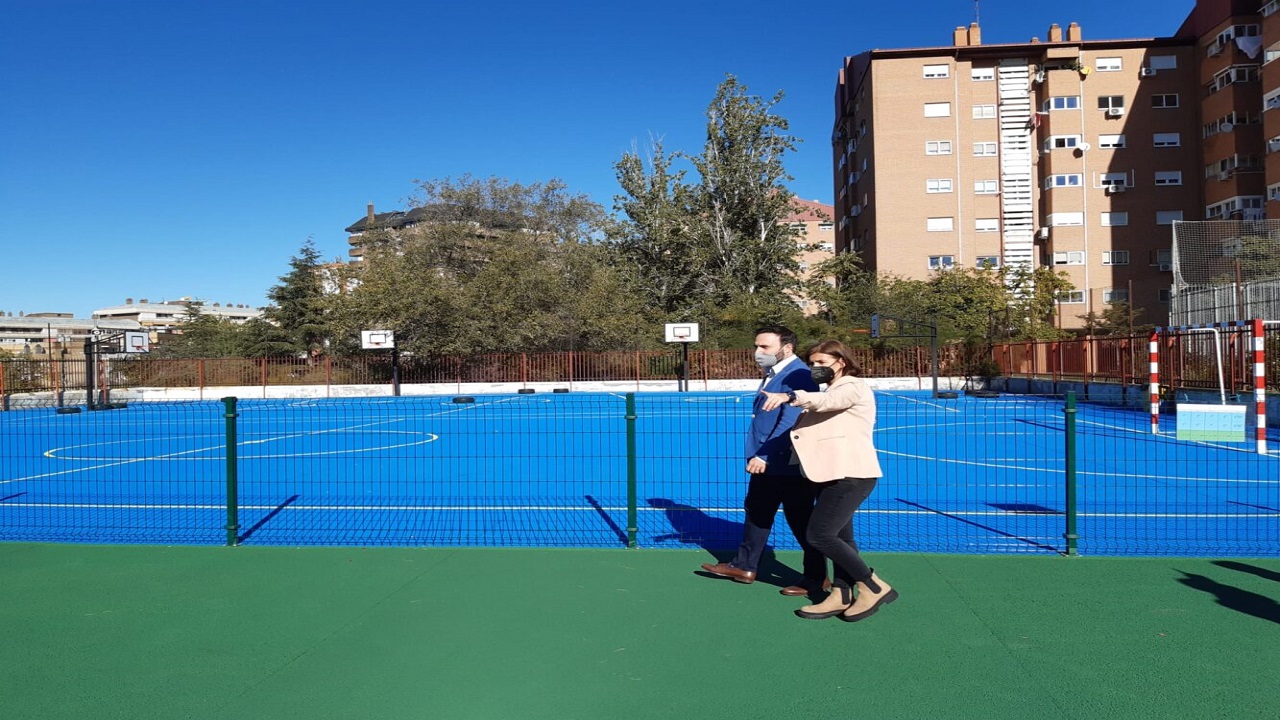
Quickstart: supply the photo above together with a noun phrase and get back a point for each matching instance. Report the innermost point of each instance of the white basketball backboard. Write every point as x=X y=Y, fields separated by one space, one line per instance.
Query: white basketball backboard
x=137 y=342
x=377 y=339
x=682 y=332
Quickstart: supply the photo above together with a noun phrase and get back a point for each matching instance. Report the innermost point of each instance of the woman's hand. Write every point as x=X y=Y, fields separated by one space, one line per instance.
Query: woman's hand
x=774 y=400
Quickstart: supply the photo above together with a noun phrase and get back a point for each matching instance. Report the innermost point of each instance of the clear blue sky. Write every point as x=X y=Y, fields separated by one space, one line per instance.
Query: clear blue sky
x=170 y=148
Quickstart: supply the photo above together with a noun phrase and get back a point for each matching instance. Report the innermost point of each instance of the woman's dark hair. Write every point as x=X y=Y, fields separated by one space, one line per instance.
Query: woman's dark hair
x=840 y=351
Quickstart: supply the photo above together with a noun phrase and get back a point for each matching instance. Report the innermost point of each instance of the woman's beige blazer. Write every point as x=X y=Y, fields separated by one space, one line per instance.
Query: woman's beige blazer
x=833 y=435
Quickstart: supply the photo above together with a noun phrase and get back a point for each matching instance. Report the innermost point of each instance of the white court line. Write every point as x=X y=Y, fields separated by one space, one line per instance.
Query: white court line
x=922 y=402
x=1141 y=476
x=591 y=509
x=198 y=450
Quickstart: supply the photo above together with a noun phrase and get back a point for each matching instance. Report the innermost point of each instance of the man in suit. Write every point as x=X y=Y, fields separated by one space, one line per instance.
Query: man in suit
x=775 y=474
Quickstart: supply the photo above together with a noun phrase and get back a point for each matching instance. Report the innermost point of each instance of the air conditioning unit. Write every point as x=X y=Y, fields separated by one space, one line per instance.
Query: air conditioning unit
x=1147 y=72
x=1043 y=233
x=1273 y=144
x=1224 y=176
x=1166 y=267
x=1215 y=49
x=1113 y=189
x=1115 y=112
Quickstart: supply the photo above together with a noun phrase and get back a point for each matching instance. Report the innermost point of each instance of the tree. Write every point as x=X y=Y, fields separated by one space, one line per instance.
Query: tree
x=298 y=304
x=200 y=335
x=493 y=266
x=741 y=200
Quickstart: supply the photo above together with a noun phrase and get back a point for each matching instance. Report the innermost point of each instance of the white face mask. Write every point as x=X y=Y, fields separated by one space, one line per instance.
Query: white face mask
x=766 y=360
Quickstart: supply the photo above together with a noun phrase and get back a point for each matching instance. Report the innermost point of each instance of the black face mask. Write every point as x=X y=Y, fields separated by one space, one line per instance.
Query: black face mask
x=822 y=375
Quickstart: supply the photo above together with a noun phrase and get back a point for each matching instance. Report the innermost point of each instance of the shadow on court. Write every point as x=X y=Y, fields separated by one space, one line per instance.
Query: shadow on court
x=1234 y=598
x=1247 y=568
x=720 y=538
x=266 y=518
x=988 y=528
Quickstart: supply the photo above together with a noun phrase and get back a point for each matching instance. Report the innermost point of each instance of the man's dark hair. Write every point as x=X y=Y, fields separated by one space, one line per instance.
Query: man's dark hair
x=785 y=335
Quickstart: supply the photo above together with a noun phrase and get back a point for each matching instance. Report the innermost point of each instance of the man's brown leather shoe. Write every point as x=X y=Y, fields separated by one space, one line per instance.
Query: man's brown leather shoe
x=804 y=588
x=725 y=570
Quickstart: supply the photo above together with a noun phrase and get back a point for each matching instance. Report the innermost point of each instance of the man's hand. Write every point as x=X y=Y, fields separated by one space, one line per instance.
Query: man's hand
x=774 y=400
x=756 y=466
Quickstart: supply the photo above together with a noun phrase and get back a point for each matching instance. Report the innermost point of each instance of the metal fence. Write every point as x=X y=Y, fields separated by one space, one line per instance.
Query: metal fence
x=1188 y=359
x=964 y=475
x=19 y=375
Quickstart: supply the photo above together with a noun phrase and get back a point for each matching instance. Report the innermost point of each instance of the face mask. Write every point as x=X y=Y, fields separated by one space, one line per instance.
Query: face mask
x=822 y=374
x=765 y=360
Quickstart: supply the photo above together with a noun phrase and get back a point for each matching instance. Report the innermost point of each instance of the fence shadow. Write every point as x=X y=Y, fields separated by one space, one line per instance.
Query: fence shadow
x=266 y=518
x=988 y=528
x=622 y=535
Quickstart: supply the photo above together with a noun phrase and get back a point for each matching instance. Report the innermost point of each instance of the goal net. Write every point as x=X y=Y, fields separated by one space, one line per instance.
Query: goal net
x=1224 y=270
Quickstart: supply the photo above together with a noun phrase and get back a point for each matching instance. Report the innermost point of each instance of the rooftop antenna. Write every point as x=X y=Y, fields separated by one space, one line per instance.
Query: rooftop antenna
x=976 y=14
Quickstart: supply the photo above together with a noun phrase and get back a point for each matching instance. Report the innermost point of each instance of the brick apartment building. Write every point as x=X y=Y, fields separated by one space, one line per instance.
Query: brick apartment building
x=1071 y=153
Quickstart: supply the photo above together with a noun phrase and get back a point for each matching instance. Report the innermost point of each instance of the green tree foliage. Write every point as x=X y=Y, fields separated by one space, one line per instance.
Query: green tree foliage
x=201 y=335
x=492 y=266
x=713 y=250
x=298 y=306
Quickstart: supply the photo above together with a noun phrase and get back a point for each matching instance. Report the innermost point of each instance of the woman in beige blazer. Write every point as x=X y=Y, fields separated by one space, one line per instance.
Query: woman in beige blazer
x=832 y=438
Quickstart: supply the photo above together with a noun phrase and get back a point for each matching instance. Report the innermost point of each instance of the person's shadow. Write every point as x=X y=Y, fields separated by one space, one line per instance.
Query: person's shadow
x=720 y=538
x=1249 y=603
x=1247 y=568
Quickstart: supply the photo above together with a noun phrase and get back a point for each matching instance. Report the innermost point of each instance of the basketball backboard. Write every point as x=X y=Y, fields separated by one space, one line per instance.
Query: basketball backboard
x=377 y=339
x=682 y=332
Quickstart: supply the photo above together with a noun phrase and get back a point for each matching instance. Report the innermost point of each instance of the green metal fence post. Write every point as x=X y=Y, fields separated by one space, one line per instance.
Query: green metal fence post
x=233 y=496
x=631 y=470
x=1070 y=454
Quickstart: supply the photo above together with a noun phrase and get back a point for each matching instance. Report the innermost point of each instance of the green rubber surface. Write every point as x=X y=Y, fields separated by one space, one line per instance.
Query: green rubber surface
x=261 y=632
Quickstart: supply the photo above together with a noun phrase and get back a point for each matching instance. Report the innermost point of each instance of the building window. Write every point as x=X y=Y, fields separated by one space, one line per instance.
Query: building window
x=1271 y=100
x=1167 y=139
x=1107 y=102
x=1115 y=296
x=1066 y=102
x=940 y=224
x=1110 y=141
x=1054 y=181
x=942 y=262
x=1071 y=297
x=937 y=147
x=937 y=109
x=1167 y=100
x=1162 y=257
x=1168 y=217
x=986 y=187
x=1273 y=192
x=937 y=71
x=1163 y=62
x=826 y=225
x=987 y=262
x=1271 y=53
x=1233 y=75
x=1073 y=257
x=982 y=74
x=937 y=185
x=803 y=266
x=1061 y=142
x=1114 y=219
x=1113 y=180
x=1164 y=295
x=1108 y=64
x=1168 y=177
x=826 y=247
x=1115 y=257
x=986 y=225
x=984 y=112
x=1064 y=218
x=985 y=149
